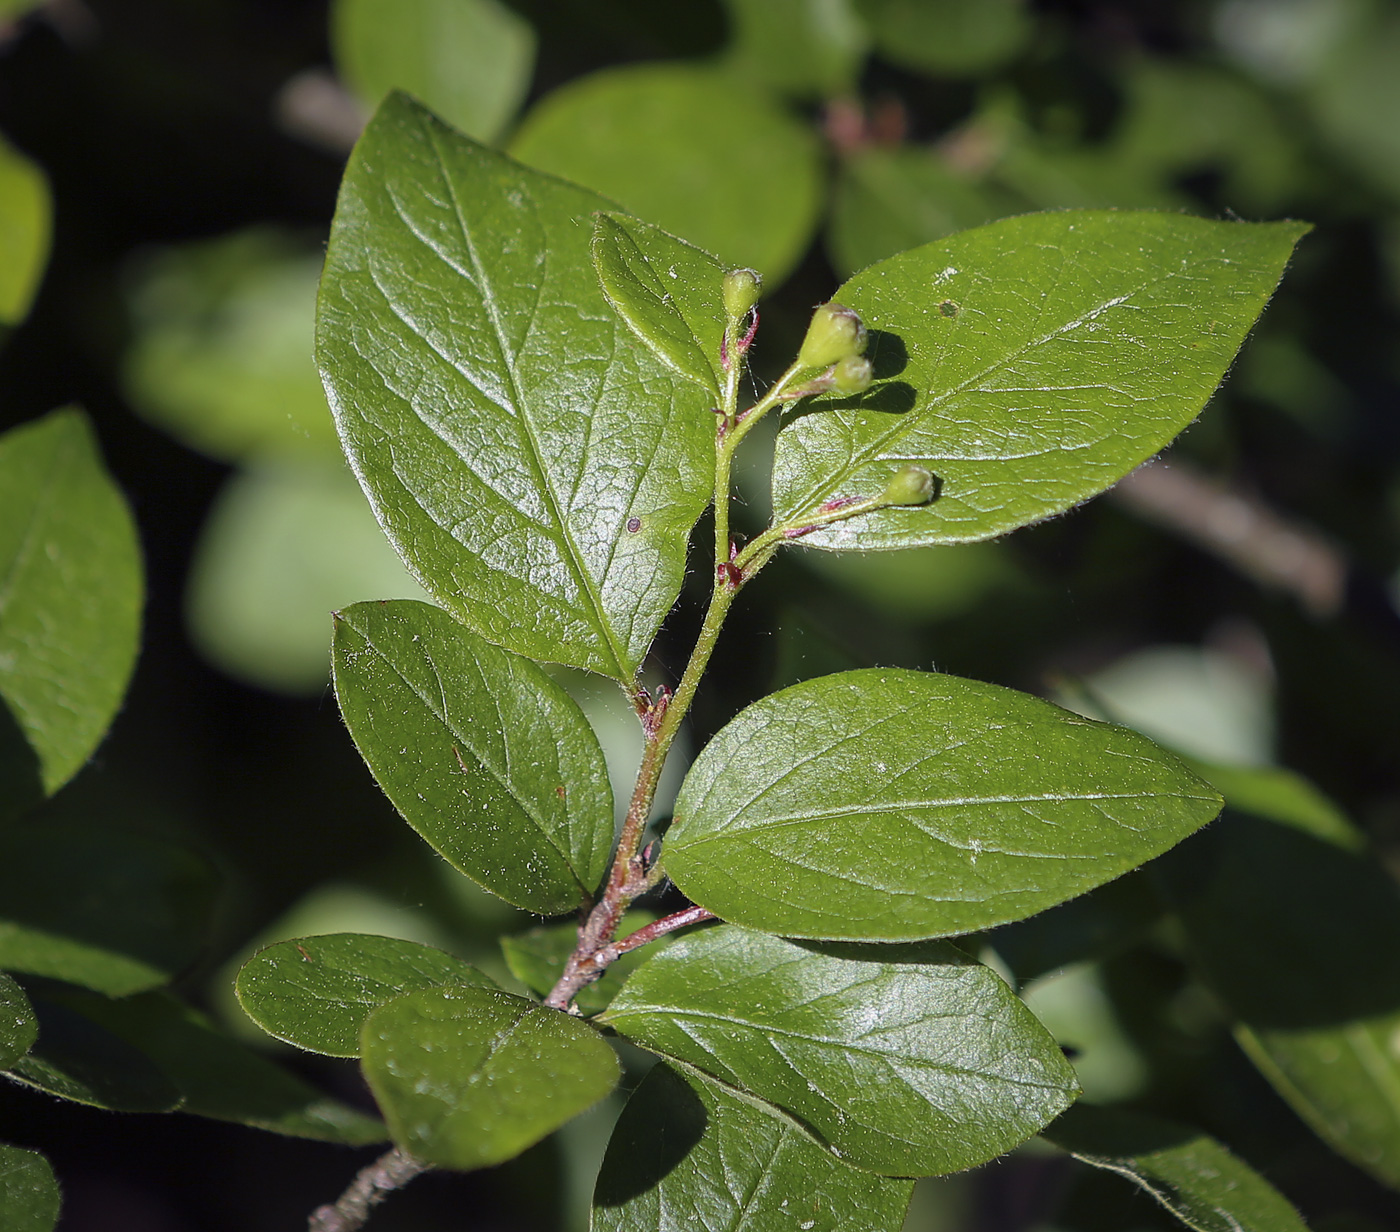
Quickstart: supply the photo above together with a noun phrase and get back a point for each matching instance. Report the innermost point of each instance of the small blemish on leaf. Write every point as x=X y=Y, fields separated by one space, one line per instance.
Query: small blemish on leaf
x=559 y=791
x=634 y=525
x=948 y=308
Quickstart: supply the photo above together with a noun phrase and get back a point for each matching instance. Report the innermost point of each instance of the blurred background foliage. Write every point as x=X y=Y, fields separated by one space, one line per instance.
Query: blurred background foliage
x=168 y=171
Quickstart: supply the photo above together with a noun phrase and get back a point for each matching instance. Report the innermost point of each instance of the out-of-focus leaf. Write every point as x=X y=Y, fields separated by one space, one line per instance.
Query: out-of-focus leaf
x=1297 y=929
x=688 y=1153
x=1189 y=1173
x=537 y=466
x=537 y=957
x=887 y=804
x=221 y=353
x=24 y=231
x=1028 y=364
x=18 y=1026
x=316 y=992
x=947 y=37
x=29 y=1197
x=906 y=1060
x=118 y=913
x=469 y=60
x=469 y=1077
x=807 y=48
x=484 y=755
x=1073 y=1005
x=283 y=547
x=691 y=149
x=70 y=604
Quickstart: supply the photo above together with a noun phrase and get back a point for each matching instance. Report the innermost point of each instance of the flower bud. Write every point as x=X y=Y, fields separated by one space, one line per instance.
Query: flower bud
x=741 y=288
x=834 y=334
x=852 y=375
x=909 y=485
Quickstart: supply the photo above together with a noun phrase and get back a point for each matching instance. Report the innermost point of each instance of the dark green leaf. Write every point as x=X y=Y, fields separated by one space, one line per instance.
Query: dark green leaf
x=70 y=604
x=316 y=992
x=536 y=958
x=1192 y=1175
x=114 y=912
x=469 y=1077
x=485 y=756
x=688 y=1153
x=691 y=149
x=947 y=37
x=18 y=1026
x=887 y=804
x=905 y=1060
x=801 y=47
x=29 y=1197
x=1028 y=364
x=669 y=293
x=1296 y=927
x=469 y=60
x=537 y=467
x=24 y=232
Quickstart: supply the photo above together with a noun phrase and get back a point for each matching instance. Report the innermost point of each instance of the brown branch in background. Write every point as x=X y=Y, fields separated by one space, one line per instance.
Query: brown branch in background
x=1241 y=530
x=389 y=1172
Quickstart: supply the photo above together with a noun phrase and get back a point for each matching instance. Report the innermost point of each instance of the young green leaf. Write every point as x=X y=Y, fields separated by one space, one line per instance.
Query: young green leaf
x=1029 y=364
x=505 y=777
x=25 y=222
x=29 y=1198
x=689 y=1153
x=537 y=467
x=947 y=37
x=469 y=1077
x=669 y=293
x=536 y=958
x=906 y=1061
x=316 y=992
x=70 y=604
x=1189 y=1173
x=18 y=1026
x=118 y=913
x=807 y=48
x=693 y=149
x=887 y=804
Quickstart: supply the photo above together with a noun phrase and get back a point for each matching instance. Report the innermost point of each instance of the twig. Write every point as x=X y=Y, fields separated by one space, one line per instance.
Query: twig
x=370 y=1187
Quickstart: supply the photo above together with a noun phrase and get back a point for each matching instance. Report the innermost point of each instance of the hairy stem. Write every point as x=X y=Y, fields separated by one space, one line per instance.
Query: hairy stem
x=370 y=1187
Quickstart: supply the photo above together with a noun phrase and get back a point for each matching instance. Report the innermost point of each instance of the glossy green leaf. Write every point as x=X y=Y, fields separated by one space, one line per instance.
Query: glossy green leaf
x=691 y=149
x=1296 y=927
x=1028 y=364
x=947 y=37
x=484 y=755
x=114 y=912
x=536 y=466
x=217 y=1077
x=18 y=1026
x=808 y=48
x=469 y=60
x=537 y=957
x=70 y=604
x=469 y=1077
x=29 y=1197
x=316 y=992
x=688 y=1153
x=888 y=804
x=669 y=293
x=25 y=222
x=1189 y=1173
x=904 y=1060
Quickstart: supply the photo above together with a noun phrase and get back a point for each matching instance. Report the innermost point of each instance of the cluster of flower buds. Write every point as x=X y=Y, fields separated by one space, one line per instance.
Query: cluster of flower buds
x=836 y=341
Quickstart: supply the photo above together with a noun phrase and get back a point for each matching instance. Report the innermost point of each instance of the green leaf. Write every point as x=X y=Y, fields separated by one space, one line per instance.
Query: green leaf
x=70 y=604
x=669 y=293
x=18 y=1026
x=316 y=992
x=537 y=957
x=25 y=222
x=1028 y=364
x=807 y=48
x=217 y=1077
x=906 y=1061
x=484 y=755
x=535 y=465
x=29 y=1198
x=947 y=37
x=469 y=60
x=692 y=149
x=887 y=804
x=1189 y=1173
x=118 y=913
x=689 y=1153
x=1296 y=927
x=469 y=1077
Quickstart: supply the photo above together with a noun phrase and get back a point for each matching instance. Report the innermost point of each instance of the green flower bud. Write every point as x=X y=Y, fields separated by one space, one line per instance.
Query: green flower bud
x=852 y=375
x=909 y=485
x=741 y=288
x=834 y=334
